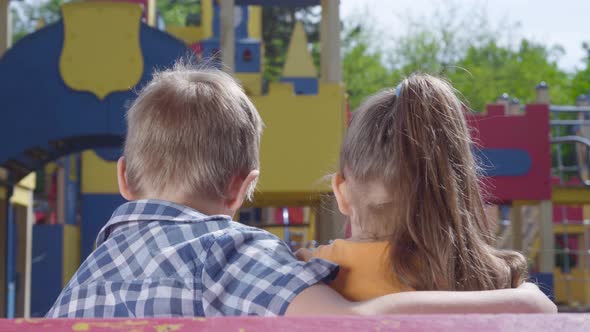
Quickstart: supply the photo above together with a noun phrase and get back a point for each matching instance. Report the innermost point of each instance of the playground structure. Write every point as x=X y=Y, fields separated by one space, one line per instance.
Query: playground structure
x=544 y=201
x=63 y=91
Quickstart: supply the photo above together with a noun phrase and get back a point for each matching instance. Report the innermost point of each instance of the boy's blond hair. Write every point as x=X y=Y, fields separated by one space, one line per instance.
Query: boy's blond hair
x=189 y=132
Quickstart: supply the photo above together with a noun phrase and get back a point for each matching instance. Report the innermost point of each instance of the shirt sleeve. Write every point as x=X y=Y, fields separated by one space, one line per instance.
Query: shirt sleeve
x=255 y=273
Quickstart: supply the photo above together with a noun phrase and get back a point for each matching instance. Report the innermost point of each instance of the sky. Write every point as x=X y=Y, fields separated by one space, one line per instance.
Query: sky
x=562 y=22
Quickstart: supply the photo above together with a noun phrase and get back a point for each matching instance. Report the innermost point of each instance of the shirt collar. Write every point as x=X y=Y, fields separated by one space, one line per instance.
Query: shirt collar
x=153 y=210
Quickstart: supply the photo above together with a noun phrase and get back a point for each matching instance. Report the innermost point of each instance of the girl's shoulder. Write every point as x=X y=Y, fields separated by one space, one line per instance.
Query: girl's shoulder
x=348 y=248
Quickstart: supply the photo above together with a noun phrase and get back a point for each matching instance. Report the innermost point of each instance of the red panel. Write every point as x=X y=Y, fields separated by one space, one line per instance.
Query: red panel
x=295 y=215
x=575 y=214
x=455 y=323
x=529 y=132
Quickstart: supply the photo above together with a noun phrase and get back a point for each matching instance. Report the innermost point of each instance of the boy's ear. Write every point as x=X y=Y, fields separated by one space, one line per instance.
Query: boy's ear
x=239 y=189
x=122 y=180
x=340 y=189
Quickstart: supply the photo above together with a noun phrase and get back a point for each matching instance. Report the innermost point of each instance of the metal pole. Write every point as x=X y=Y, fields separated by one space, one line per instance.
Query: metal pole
x=514 y=107
x=5 y=27
x=331 y=70
x=516 y=224
x=504 y=99
x=10 y=256
x=547 y=257
x=228 y=35
x=287 y=222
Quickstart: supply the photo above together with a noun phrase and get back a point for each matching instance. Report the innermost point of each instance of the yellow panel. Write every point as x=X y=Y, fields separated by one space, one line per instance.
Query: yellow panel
x=71 y=252
x=23 y=191
x=189 y=35
x=571 y=229
x=50 y=167
x=98 y=175
x=21 y=196
x=29 y=181
x=251 y=82
x=284 y=199
x=302 y=138
x=101 y=51
x=255 y=22
x=207 y=18
x=299 y=62
x=571 y=195
x=578 y=285
x=278 y=231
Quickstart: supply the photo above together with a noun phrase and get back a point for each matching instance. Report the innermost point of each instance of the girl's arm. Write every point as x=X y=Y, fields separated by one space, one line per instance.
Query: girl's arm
x=321 y=300
x=525 y=299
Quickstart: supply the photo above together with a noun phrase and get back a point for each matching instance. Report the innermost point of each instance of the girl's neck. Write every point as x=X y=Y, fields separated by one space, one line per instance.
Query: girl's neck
x=362 y=234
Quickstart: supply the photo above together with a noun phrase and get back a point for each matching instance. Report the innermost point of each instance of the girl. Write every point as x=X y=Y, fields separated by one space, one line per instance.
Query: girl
x=408 y=182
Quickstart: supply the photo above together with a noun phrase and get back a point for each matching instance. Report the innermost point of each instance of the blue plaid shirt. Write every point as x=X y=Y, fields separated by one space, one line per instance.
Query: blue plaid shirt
x=156 y=258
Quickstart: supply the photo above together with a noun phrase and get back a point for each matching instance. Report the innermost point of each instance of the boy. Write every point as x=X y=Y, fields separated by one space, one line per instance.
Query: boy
x=190 y=160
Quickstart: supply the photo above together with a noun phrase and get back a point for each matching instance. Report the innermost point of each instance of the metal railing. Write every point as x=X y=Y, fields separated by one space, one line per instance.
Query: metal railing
x=562 y=133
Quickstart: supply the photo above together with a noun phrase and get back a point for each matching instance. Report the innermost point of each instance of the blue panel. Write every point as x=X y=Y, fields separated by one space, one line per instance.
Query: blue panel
x=284 y=3
x=31 y=88
x=216 y=21
x=303 y=86
x=250 y=216
x=503 y=162
x=211 y=52
x=96 y=210
x=242 y=28
x=248 y=56
x=109 y=154
x=46 y=268
x=545 y=283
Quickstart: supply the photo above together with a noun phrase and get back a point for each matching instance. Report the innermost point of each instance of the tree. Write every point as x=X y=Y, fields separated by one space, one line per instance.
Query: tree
x=486 y=72
x=179 y=12
x=277 y=27
x=26 y=15
x=362 y=67
x=581 y=79
x=480 y=58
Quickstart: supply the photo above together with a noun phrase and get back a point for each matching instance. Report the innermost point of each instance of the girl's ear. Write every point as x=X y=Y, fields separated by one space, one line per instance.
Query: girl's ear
x=340 y=188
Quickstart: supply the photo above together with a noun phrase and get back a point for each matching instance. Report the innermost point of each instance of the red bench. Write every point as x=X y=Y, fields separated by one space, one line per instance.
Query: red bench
x=432 y=323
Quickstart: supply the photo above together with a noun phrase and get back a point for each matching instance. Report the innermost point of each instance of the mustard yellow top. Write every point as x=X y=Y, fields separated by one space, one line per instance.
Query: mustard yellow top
x=365 y=271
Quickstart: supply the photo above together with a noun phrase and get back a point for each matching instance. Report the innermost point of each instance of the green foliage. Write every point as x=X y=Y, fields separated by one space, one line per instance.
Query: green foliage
x=179 y=12
x=277 y=27
x=362 y=69
x=174 y=12
x=486 y=72
x=581 y=79
x=25 y=19
x=454 y=41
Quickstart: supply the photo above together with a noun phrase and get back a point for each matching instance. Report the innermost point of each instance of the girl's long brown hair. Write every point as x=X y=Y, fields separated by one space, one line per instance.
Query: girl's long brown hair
x=418 y=146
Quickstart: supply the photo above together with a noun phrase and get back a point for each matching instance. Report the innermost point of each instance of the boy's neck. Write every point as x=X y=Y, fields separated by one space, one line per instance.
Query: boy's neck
x=205 y=206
